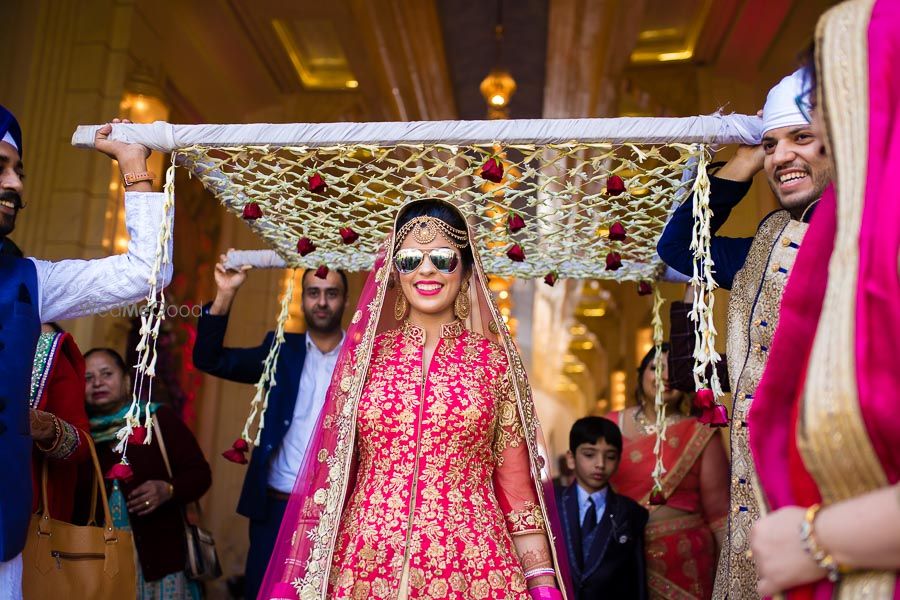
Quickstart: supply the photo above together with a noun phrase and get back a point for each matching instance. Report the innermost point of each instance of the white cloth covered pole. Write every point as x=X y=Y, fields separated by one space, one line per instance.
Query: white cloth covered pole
x=705 y=129
x=258 y=259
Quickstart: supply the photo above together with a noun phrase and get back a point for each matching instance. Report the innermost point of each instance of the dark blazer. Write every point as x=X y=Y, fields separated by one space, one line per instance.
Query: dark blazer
x=615 y=567
x=245 y=365
x=158 y=536
x=729 y=254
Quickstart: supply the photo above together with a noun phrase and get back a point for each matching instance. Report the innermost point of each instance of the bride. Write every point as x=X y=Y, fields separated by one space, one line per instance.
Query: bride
x=423 y=478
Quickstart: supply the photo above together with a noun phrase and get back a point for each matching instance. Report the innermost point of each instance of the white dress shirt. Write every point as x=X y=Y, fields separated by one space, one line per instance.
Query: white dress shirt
x=74 y=288
x=314 y=381
x=583 y=504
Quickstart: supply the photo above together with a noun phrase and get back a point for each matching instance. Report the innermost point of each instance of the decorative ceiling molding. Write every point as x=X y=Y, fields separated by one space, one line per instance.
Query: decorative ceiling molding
x=670 y=35
x=316 y=53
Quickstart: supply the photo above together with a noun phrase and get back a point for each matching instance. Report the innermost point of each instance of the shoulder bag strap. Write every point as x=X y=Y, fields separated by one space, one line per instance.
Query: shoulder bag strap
x=165 y=456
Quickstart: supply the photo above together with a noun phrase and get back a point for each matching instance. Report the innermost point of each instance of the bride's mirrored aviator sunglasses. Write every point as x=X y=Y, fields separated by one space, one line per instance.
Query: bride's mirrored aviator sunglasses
x=445 y=260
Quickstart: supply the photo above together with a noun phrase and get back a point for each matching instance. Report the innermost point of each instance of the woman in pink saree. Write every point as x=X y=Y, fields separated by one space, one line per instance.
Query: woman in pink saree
x=684 y=534
x=423 y=479
x=824 y=424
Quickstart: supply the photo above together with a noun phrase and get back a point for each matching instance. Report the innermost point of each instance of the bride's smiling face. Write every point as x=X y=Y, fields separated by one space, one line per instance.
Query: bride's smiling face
x=434 y=274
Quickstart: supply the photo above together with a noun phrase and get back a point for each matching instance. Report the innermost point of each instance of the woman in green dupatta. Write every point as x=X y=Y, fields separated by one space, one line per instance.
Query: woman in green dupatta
x=143 y=497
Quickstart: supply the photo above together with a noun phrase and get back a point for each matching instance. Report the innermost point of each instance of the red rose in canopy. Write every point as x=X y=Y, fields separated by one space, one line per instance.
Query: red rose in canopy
x=251 y=211
x=316 y=184
x=657 y=498
x=551 y=279
x=614 y=185
x=515 y=222
x=348 y=235
x=644 y=288
x=515 y=253
x=492 y=170
x=322 y=272
x=617 y=232
x=613 y=261
x=305 y=246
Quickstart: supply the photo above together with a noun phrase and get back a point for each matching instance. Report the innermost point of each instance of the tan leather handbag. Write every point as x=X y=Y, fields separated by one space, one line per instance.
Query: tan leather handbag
x=62 y=560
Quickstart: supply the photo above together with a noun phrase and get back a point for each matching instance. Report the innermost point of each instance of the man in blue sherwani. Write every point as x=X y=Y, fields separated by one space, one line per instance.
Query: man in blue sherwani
x=35 y=291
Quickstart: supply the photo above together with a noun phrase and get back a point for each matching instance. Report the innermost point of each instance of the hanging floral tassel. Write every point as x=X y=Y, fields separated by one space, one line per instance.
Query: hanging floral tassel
x=657 y=497
x=702 y=313
x=121 y=471
x=238 y=450
x=154 y=313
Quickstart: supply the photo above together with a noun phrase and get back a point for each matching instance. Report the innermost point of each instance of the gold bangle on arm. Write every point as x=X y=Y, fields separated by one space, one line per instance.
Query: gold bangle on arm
x=57 y=437
x=823 y=558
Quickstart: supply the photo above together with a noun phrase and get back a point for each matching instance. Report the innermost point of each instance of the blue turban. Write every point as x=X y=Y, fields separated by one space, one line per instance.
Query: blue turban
x=9 y=129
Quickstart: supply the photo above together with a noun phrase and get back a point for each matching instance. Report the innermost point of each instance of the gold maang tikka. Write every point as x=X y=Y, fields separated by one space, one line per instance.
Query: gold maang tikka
x=425 y=229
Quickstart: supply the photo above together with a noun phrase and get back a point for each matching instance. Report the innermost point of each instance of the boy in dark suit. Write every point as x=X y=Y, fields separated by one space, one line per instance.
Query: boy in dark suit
x=604 y=531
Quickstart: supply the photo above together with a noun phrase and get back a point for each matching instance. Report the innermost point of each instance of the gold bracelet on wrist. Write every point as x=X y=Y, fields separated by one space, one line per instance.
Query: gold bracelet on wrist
x=57 y=437
x=823 y=558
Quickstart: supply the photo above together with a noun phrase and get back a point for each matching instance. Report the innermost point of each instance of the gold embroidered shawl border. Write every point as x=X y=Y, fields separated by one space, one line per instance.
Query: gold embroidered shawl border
x=692 y=451
x=832 y=435
x=662 y=588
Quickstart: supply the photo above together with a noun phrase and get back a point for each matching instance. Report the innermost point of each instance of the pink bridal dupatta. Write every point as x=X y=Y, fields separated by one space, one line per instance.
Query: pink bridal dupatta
x=824 y=424
x=301 y=562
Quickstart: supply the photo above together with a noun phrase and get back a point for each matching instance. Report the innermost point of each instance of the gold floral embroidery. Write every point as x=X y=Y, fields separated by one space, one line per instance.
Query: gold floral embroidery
x=317 y=572
x=425 y=497
x=526 y=520
x=508 y=427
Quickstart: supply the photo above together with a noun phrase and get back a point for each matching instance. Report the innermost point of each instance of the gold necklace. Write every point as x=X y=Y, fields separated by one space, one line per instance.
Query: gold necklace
x=643 y=423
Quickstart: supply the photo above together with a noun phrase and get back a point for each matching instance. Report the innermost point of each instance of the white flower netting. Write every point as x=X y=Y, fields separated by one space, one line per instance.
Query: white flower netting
x=560 y=192
x=583 y=198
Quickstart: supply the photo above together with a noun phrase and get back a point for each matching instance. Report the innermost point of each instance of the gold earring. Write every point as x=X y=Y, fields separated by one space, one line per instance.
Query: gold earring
x=463 y=306
x=400 y=306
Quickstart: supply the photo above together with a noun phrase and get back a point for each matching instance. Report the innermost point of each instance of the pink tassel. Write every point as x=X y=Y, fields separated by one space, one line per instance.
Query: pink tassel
x=121 y=471
x=704 y=398
x=138 y=435
x=657 y=498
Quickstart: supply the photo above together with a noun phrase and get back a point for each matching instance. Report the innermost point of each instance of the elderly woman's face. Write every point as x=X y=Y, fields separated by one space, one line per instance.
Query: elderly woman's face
x=432 y=286
x=106 y=386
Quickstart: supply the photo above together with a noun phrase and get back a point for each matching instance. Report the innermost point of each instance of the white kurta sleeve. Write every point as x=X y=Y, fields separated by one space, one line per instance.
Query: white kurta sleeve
x=74 y=288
